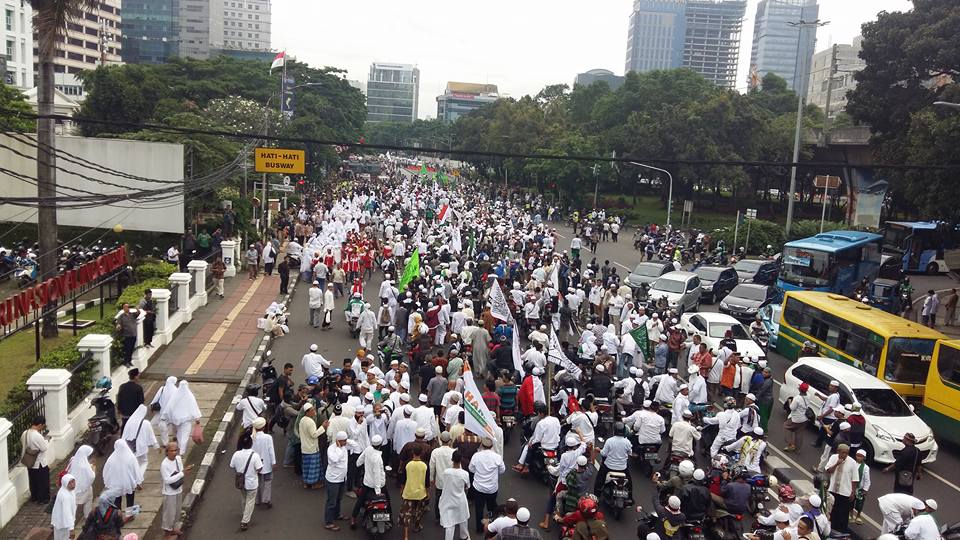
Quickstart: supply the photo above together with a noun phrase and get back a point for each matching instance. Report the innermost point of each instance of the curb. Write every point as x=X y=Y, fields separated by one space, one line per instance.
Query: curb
x=227 y=425
x=80 y=307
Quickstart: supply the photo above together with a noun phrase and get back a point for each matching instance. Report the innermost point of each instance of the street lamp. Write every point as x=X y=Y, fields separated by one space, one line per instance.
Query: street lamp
x=669 y=193
x=801 y=25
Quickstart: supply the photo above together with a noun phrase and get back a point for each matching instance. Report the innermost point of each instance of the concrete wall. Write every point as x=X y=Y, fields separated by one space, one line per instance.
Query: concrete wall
x=156 y=161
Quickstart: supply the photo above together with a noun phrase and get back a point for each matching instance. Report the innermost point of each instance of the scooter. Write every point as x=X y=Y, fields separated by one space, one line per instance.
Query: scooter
x=759 y=484
x=649 y=455
x=377 y=519
x=268 y=375
x=549 y=463
x=26 y=272
x=102 y=427
x=508 y=419
x=614 y=493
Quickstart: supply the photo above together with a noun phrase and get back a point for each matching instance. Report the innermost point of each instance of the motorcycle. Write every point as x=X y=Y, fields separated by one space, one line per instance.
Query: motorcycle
x=549 y=463
x=649 y=455
x=268 y=375
x=606 y=417
x=102 y=427
x=508 y=419
x=693 y=530
x=377 y=519
x=26 y=272
x=759 y=484
x=762 y=338
x=615 y=494
x=673 y=465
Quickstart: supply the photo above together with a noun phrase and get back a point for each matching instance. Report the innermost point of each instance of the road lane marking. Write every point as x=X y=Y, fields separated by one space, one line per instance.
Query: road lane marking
x=222 y=330
x=942 y=479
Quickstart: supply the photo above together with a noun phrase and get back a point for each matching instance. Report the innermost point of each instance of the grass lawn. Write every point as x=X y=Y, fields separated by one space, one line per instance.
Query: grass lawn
x=649 y=210
x=18 y=351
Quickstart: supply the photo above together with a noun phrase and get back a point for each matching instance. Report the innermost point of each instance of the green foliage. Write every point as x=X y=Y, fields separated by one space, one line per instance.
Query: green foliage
x=13 y=104
x=133 y=293
x=805 y=228
x=764 y=233
x=154 y=270
x=431 y=133
x=912 y=60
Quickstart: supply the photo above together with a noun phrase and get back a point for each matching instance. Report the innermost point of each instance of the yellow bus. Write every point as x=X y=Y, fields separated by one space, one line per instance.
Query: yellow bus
x=941 y=401
x=891 y=348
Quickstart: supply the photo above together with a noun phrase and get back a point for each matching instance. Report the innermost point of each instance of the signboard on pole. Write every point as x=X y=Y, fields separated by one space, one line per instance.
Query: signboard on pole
x=826 y=182
x=751 y=213
x=279 y=160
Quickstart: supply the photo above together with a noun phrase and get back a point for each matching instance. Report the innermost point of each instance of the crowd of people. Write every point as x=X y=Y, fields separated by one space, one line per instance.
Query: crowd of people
x=485 y=323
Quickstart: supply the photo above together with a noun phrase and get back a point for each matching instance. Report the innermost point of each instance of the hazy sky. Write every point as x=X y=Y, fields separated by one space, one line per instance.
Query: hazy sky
x=519 y=45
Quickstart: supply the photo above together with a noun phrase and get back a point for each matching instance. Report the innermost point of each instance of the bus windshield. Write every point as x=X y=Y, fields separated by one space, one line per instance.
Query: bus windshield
x=806 y=268
x=908 y=360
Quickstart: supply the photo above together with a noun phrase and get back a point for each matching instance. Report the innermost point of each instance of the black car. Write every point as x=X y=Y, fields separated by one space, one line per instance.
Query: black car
x=746 y=300
x=716 y=282
x=760 y=271
x=890 y=268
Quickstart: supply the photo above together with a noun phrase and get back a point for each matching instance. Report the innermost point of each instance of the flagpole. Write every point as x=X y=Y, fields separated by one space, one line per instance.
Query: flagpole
x=549 y=395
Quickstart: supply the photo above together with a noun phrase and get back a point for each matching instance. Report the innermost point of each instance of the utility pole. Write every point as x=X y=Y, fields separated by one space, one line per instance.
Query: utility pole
x=596 y=185
x=826 y=110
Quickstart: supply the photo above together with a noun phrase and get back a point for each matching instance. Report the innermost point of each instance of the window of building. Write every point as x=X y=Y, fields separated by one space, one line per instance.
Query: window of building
x=92 y=45
x=10 y=50
x=76 y=42
x=9 y=20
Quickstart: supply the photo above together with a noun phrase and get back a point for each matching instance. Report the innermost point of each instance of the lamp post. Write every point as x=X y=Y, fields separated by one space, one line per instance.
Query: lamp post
x=801 y=25
x=669 y=193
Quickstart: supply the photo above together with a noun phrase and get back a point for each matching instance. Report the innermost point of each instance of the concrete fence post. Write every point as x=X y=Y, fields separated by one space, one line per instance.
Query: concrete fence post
x=99 y=345
x=54 y=382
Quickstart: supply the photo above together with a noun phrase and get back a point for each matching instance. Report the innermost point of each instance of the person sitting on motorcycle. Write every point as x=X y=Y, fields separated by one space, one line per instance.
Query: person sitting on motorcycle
x=354 y=308
x=670 y=519
x=575 y=447
x=735 y=496
x=591 y=525
x=615 y=457
x=587 y=505
x=391 y=347
x=821 y=523
x=782 y=523
x=728 y=423
x=757 y=328
x=576 y=484
x=695 y=497
x=674 y=485
x=862 y=289
x=546 y=436
x=788 y=502
x=649 y=427
x=601 y=383
x=751 y=449
x=507 y=391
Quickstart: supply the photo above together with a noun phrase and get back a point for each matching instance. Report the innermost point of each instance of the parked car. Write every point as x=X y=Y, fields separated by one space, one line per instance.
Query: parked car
x=682 y=290
x=716 y=282
x=647 y=272
x=760 y=271
x=888 y=416
x=712 y=327
x=770 y=318
x=745 y=300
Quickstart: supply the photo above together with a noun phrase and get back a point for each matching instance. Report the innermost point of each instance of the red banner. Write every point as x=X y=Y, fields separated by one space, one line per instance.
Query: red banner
x=26 y=302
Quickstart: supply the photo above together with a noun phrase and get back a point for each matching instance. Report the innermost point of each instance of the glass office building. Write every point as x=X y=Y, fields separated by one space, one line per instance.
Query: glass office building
x=392 y=92
x=151 y=31
x=781 y=48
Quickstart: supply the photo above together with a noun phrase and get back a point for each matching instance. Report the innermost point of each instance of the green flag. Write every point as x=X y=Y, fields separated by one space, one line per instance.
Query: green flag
x=423 y=170
x=412 y=270
x=639 y=335
x=442 y=177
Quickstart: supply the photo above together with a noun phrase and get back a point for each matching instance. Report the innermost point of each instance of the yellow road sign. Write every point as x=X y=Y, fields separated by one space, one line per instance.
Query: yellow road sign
x=279 y=160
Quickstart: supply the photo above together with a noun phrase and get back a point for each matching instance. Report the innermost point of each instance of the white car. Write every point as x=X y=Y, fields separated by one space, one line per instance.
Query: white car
x=712 y=328
x=888 y=416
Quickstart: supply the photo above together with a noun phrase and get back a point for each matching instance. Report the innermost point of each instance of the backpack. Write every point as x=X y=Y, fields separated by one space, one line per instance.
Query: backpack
x=638 y=394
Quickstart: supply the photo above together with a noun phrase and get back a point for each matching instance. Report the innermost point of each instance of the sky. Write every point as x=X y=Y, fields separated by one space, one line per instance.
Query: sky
x=519 y=45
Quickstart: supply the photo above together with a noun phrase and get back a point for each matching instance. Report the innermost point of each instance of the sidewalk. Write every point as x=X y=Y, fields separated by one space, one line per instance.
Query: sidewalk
x=213 y=352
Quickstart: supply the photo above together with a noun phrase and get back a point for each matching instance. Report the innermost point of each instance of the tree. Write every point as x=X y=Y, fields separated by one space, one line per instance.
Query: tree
x=50 y=18
x=13 y=104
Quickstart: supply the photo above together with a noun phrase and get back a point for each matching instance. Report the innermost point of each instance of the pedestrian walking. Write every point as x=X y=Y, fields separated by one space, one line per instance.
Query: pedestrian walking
x=951 y=308
x=283 y=270
x=796 y=421
x=84 y=474
x=36 y=459
x=121 y=473
x=219 y=270
x=269 y=257
x=336 y=479
x=129 y=396
x=906 y=466
x=139 y=436
x=842 y=471
x=452 y=503
x=928 y=313
x=160 y=405
x=246 y=464
x=309 y=434
x=184 y=415
x=172 y=472
x=486 y=466
x=252 y=258
x=315 y=303
x=64 y=515
x=329 y=302
x=263 y=446
x=414 y=493
x=339 y=277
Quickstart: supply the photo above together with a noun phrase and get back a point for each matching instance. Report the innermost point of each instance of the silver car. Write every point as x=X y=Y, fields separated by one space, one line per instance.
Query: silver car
x=682 y=290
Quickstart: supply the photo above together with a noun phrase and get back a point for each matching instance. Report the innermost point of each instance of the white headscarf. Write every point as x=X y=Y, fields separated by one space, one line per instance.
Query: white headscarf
x=142 y=431
x=81 y=469
x=121 y=472
x=65 y=508
x=165 y=394
x=184 y=406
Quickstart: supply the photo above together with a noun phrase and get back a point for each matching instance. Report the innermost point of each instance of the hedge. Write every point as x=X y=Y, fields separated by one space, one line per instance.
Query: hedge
x=764 y=233
x=155 y=269
x=133 y=293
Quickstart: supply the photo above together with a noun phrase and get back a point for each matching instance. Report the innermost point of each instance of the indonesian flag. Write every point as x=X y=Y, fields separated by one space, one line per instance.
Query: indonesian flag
x=445 y=214
x=478 y=418
x=278 y=60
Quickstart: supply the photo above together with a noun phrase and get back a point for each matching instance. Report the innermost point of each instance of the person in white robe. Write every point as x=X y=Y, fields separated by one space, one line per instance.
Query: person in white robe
x=121 y=473
x=162 y=399
x=64 y=515
x=454 y=509
x=183 y=414
x=139 y=432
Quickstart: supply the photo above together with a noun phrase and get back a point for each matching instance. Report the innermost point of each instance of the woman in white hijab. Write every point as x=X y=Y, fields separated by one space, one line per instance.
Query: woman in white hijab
x=64 y=515
x=82 y=471
x=184 y=412
x=159 y=405
x=138 y=433
x=121 y=472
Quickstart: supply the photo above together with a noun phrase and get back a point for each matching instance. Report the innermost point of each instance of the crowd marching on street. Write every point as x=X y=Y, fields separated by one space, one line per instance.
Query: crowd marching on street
x=488 y=322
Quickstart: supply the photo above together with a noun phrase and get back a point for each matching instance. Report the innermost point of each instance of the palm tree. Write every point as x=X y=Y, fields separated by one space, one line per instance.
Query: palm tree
x=50 y=19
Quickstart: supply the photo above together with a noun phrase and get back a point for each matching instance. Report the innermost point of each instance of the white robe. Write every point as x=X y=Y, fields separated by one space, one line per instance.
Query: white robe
x=404 y=432
x=454 y=508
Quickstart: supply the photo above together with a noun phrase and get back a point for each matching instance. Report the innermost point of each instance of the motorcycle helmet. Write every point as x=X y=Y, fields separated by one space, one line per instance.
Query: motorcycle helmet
x=313 y=380
x=587 y=506
x=686 y=468
x=104 y=383
x=786 y=493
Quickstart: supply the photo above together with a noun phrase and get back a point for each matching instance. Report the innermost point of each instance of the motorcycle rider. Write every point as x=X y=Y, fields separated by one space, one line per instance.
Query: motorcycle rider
x=728 y=422
x=682 y=435
x=615 y=456
x=591 y=526
x=695 y=497
x=546 y=436
x=567 y=462
x=735 y=495
x=674 y=484
x=601 y=383
x=649 y=427
x=751 y=449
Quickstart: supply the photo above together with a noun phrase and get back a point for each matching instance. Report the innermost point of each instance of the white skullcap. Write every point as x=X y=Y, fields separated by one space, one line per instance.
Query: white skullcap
x=404 y=397
x=537 y=371
x=834 y=383
x=523 y=515
x=341 y=435
x=368 y=395
x=653 y=536
x=693 y=370
x=815 y=501
x=421 y=432
x=758 y=431
x=844 y=425
x=572 y=441
x=582 y=460
x=313 y=347
x=647 y=403
x=699 y=475
x=751 y=397
x=672 y=371
x=684 y=387
x=931 y=503
x=600 y=368
x=346 y=389
x=423 y=398
x=376 y=440
x=259 y=422
x=917 y=504
x=307 y=406
x=674 y=502
x=438 y=369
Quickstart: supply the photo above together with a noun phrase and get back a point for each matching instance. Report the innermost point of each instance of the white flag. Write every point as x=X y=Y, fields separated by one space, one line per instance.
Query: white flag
x=556 y=356
x=456 y=244
x=554 y=278
x=418 y=234
x=517 y=364
x=477 y=418
x=498 y=303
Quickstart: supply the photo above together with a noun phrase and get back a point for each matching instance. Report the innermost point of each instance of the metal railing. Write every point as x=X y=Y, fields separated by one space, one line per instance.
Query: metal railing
x=174 y=303
x=21 y=421
x=192 y=289
x=81 y=380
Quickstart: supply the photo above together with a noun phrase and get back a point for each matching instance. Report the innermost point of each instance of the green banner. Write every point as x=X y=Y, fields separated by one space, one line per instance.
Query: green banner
x=411 y=271
x=639 y=335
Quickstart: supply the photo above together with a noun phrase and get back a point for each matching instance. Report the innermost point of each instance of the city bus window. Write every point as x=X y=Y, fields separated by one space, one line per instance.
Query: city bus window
x=948 y=364
x=908 y=360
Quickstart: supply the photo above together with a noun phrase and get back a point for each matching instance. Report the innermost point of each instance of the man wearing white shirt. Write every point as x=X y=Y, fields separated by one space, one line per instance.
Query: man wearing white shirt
x=546 y=436
x=263 y=446
x=486 y=466
x=923 y=526
x=534 y=356
x=315 y=303
x=246 y=462
x=251 y=406
x=680 y=404
x=378 y=422
x=441 y=459
x=751 y=449
x=336 y=477
x=895 y=509
x=698 y=389
x=616 y=455
x=842 y=470
x=667 y=391
x=682 y=435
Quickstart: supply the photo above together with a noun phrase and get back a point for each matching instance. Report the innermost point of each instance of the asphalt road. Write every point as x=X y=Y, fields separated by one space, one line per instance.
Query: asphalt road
x=297 y=512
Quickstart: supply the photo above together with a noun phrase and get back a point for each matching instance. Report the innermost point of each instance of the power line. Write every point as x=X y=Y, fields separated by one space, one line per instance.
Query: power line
x=505 y=155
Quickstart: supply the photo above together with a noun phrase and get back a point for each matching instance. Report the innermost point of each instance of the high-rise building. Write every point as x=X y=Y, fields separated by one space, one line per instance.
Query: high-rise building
x=246 y=24
x=781 y=48
x=16 y=57
x=151 y=31
x=392 y=91
x=847 y=63
x=87 y=43
x=703 y=35
x=461 y=98
x=201 y=27
x=594 y=75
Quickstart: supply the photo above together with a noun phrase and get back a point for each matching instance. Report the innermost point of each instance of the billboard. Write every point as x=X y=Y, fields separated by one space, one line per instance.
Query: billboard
x=149 y=160
x=866 y=195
